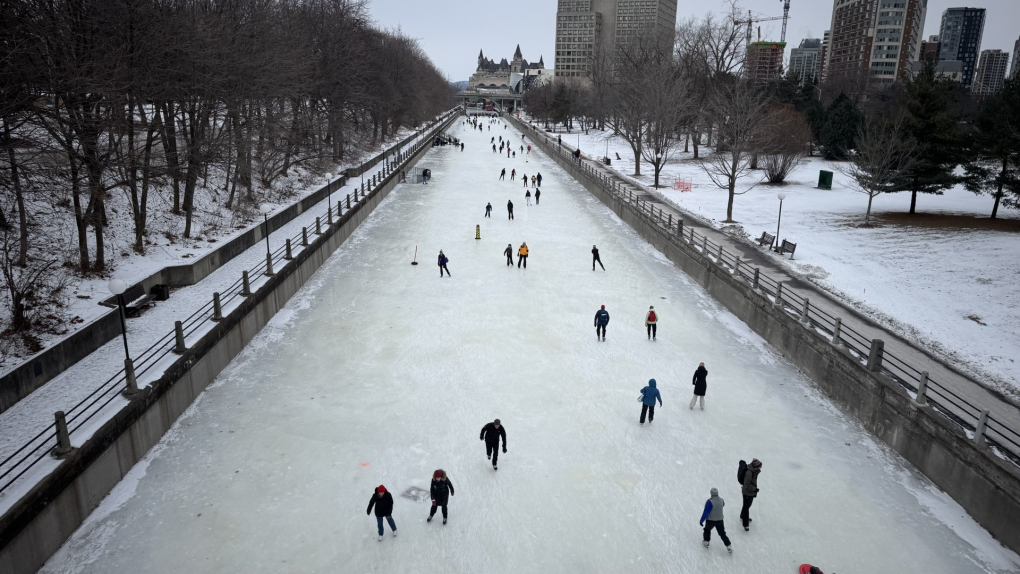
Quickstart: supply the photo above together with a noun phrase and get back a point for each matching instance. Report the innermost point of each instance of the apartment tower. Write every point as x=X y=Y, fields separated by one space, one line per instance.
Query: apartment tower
x=960 y=38
x=872 y=41
x=1014 y=72
x=991 y=72
x=806 y=61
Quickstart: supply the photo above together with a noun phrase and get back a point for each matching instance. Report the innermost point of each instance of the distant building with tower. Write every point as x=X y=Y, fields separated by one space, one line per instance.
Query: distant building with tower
x=960 y=35
x=764 y=61
x=504 y=82
x=806 y=61
x=991 y=72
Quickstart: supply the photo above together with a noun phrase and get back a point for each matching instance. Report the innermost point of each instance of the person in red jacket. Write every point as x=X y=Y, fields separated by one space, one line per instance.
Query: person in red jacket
x=809 y=569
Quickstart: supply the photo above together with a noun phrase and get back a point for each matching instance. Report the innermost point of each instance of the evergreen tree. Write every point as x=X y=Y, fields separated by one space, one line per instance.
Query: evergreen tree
x=930 y=101
x=561 y=105
x=840 y=128
x=996 y=168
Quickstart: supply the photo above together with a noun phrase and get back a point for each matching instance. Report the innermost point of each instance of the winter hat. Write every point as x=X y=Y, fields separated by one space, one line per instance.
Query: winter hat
x=756 y=463
x=496 y=421
x=651 y=306
x=715 y=492
x=438 y=474
x=381 y=489
x=603 y=307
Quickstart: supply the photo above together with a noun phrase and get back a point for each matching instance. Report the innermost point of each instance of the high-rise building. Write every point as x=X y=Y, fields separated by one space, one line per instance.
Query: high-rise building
x=930 y=49
x=764 y=61
x=806 y=61
x=588 y=29
x=991 y=72
x=1014 y=72
x=873 y=40
x=826 y=42
x=960 y=38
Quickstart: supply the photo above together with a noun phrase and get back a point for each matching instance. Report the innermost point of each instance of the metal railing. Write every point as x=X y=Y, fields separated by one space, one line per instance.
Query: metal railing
x=983 y=428
x=56 y=438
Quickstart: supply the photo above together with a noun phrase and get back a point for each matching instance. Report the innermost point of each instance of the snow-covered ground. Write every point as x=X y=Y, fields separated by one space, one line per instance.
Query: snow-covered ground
x=379 y=372
x=949 y=285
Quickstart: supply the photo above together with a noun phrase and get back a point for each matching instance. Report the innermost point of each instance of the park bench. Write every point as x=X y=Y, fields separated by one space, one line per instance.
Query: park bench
x=787 y=247
x=136 y=300
x=766 y=240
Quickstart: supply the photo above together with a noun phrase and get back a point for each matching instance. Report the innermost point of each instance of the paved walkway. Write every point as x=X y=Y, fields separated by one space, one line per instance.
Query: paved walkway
x=1000 y=407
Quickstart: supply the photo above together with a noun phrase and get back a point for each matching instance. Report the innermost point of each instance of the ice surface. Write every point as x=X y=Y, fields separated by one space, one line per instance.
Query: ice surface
x=379 y=372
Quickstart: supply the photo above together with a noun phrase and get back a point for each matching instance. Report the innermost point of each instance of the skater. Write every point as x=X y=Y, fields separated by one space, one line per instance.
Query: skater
x=596 y=259
x=509 y=252
x=809 y=569
x=515 y=155
x=601 y=321
x=650 y=319
x=383 y=503
x=532 y=181
x=522 y=255
x=510 y=209
x=712 y=517
x=508 y=153
x=527 y=196
x=539 y=177
x=490 y=434
x=502 y=174
x=461 y=146
x=442 y=490
x=494 y=148
x=488 y=209
x=538 y=192
x=443 y=260
x=749 y=488
x=559 y=141
x=648 y=397
x=524 y=178
x=529 y=151
x=700 y=385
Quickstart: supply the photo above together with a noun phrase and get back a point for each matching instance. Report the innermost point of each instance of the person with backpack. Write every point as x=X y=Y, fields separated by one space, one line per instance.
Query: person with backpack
x=648 y=397
x=443 y=260
x=601 y=321
x=522 y=255
x=502 y=174
x=509 y=209
x=509 y=252
x=700 y=385
x=596 y=259
x=527 y=196
x=441 y=491
x=712 y=517
x=748 y=476
x=538 y=192
x=488 y=209
x=650 y=319
x=539 y=178
x=491 y=434
x=383 y=503
x=532 y=181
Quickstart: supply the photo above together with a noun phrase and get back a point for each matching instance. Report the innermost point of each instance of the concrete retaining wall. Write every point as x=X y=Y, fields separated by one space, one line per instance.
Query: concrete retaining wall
x=39 y=523
x=985 y=485
x=47 y=364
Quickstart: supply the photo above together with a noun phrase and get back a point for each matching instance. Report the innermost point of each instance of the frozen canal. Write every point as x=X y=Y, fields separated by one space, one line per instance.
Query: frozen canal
x=379 y=372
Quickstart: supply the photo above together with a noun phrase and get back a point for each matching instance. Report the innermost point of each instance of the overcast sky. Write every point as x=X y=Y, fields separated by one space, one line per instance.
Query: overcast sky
x=452 y=31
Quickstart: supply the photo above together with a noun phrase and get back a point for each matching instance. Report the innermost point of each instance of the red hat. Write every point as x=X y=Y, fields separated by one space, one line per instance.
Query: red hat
x=438 y=474
x=381 y=489
x=603 y=306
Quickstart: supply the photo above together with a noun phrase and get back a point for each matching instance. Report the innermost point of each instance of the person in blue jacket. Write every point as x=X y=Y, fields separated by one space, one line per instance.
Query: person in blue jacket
x=712 y=517
x=601 y=320
x=649 y=395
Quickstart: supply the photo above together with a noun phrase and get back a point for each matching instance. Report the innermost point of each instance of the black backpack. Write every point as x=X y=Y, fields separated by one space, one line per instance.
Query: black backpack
x=741 y=472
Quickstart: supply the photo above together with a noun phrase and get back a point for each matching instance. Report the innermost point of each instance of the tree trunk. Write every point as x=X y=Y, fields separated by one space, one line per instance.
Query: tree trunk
x=867 y=214
x=729 y=201
x=998 y=192
x=19 y=199
x=173 y=161
x=913 y=202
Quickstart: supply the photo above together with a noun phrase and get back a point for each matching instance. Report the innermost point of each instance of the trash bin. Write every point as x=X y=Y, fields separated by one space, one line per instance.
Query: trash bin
x=607 y=160
x=161 y=291
x=824 y=179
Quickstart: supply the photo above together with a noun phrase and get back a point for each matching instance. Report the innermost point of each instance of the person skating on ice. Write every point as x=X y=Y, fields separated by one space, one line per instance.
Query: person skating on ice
x=532 y=181
x=649 y=395
x=601 y=321
x=749 y=488
x=441 y=490
x=491 y=434
x=712 y=517
x=443 y=260
x=513 y=174
x=596 y=259
x=509 y=209
x=509 y=252
x=383 y=503
x=488 y=209
x=700 y=383
x=522 y=255
x=524 y=178
x=650 y=320
x=494 y=148
x=527 y=196
x=538 y=192
x=502 y=174
x=539 y=178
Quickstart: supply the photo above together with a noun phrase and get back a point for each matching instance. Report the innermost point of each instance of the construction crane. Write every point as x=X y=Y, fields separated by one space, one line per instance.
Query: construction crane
x=786 y=16
x=752 y=20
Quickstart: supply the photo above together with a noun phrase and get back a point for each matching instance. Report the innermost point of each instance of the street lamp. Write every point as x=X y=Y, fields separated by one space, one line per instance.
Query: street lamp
x=781 y=197
x=264 y=209
x=329 y=197
x=118 y=287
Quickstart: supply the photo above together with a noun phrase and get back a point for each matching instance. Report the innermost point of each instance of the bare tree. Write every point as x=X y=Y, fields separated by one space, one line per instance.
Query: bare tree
x=788 y=137
x=743 y=133
x=881 y=160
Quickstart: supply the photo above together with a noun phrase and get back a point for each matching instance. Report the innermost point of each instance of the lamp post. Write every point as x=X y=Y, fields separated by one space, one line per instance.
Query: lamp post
x=118 y=287
x=264 y=209
x=781 y=197
x=329 y=192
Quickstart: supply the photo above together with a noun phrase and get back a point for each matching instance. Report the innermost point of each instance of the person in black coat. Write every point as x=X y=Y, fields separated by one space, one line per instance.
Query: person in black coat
x=488 y=209
x=596 y=259
x=509 y=252
x=443 y=260
x=383 y=503
x=700 y=385
x=509 y=209
x=442 y=490
x=490 y=434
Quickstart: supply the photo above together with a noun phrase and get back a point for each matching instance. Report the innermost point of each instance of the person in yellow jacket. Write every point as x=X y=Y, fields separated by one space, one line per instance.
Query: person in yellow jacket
x=522 y=256
x=650 y=320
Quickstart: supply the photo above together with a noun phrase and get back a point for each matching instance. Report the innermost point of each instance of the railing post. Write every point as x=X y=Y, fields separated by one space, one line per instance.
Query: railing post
x=779 y=294
x=217 y=309
x=736 y=266
x=269 y=265
x=339 y=211
x=680 y=228
x=245 y=285
x=875 y=356
x=804 y=312
x=837 y=332
x=718 y=257
x=979 y=432
x=922 y=390
x=304 y=237
x=179 y=347
x=318 y=226
x=63 y=437
x=670 y=221
x=329 y=218
x=704 y=244
x=288 y=256
x=131 y=388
